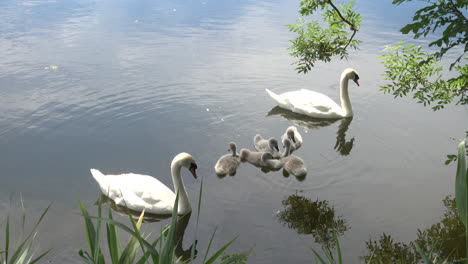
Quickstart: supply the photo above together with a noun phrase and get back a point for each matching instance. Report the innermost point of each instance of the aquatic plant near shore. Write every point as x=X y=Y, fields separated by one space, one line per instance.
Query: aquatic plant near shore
x=159 y=251
x=21 y=255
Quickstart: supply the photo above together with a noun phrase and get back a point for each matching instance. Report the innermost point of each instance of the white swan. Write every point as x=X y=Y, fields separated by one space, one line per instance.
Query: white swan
x=227 y=164
x=138 y=192
x=292 y=164
x=318 y=105
x=264 y=145
x=293 y=135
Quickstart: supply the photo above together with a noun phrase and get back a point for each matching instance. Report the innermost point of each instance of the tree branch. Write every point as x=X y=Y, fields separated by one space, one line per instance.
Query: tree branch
x=341 y=16
x=351 y=25
x=457 y=12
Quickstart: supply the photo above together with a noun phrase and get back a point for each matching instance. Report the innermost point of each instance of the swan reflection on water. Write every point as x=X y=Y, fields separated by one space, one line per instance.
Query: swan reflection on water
x=181 y=226
x=342 y=146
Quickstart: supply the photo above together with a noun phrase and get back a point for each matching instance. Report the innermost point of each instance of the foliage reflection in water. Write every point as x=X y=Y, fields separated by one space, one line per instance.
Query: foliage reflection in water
x=446 y=239
x=316 y=218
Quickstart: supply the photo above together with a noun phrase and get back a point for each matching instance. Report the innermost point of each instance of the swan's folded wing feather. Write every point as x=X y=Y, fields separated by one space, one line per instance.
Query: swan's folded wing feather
x=138 y=191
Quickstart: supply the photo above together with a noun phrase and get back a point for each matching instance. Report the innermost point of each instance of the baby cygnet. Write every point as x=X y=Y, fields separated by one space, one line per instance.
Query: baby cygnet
x=293 y=135
x=270 y=146
x=292 y=164
x=260 y=159
x=227 y=164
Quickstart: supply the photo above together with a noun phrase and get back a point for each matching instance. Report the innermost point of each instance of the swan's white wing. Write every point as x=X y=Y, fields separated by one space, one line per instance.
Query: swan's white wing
x=311 y=103
x=137 y=192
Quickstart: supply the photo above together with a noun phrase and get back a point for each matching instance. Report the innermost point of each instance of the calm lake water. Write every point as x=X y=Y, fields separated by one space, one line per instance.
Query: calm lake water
x=123 y=86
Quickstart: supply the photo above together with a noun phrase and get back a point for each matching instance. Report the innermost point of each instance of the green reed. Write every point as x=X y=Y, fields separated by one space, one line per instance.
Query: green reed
x=21 y=254
x=139 y=249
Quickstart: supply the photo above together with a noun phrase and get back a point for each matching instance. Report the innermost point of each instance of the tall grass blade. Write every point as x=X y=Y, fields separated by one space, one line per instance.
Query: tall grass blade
x=125 y=228
x=89 y=227
x=97 y=238
x=461 y=192
x=338 y=248
x=112 y=240
x=7 y=238
x=192 y=253
x=209 y=245
x=422 y=254
x=20 y=248
x=129 y=253
x=219 y=252
x=167 y=252
x=22 y=257
x=317 y=256
x=39 y=257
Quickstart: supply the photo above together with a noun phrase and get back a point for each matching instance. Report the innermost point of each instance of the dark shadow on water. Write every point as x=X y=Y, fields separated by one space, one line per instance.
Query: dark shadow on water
x=342 y=146
x=316 y=218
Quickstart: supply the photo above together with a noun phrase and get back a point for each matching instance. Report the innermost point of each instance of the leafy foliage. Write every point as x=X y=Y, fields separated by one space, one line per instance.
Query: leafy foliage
x=412 y=70
x=445 y=15
x=315 y=43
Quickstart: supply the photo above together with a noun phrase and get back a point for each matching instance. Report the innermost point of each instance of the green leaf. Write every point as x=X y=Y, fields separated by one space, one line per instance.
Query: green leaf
x=218 y=253
x=112 y=240
x=422 y=254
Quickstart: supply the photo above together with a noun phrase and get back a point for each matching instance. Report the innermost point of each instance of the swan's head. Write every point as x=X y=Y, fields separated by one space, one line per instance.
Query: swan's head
x=351 y=74
x=186 y=160
x=232 y=148
x=267 y=156
x=273 y=143
x=290 y=133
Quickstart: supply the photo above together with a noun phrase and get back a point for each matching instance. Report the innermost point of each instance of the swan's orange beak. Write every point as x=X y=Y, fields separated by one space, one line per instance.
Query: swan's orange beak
x=356 y=81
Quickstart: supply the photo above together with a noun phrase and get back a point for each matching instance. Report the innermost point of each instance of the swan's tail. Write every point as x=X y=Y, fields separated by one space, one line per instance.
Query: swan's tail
x=97 y=175
x=276 y=97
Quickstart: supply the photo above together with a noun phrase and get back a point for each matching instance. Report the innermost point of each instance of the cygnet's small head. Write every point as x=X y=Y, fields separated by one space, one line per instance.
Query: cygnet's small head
x=186 y=160
x=352 y=74
x=267 y=156
x=243 y=154
x=232 y=147
x=273 y=143
x=290 y=133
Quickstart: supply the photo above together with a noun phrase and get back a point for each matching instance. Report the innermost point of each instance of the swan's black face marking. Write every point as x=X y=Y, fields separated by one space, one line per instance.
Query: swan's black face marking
x=192 y=169
x=276 y=147
x=356 y=78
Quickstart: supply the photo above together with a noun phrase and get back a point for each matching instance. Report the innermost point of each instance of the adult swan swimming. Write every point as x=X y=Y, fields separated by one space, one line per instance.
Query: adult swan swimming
x=138 y=192
x=318 y=105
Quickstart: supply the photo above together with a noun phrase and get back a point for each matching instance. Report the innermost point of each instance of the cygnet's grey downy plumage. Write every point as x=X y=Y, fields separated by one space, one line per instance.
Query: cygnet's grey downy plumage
x=291 y=163
x=227 y=164
x=293 y=135
x=264 y=145
x=260 y=159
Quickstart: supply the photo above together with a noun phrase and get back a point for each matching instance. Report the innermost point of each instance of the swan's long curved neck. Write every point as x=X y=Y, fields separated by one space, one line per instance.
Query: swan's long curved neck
x=183 y=204
x=344 y=96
